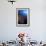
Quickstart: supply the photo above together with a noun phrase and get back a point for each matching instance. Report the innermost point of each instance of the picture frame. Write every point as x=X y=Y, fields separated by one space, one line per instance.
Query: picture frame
x=22 y=17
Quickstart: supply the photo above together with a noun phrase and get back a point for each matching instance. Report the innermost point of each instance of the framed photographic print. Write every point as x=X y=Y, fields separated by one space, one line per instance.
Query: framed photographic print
x=22 y=17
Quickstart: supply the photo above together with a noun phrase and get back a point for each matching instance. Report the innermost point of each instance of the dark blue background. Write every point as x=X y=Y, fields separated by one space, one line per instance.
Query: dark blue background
x=22 y=12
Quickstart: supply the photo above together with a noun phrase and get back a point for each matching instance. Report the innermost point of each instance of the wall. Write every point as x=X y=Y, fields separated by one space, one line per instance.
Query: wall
x=37 y=29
